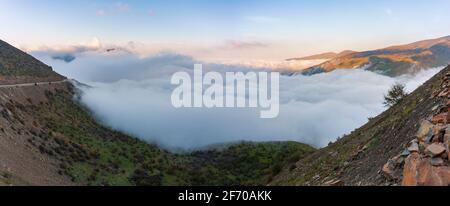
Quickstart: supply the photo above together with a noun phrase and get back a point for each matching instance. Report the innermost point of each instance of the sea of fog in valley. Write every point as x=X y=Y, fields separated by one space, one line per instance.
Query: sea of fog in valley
x=132 y=94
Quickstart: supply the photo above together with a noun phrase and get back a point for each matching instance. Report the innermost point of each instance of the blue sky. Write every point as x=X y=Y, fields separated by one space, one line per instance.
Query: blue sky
x=263 y=28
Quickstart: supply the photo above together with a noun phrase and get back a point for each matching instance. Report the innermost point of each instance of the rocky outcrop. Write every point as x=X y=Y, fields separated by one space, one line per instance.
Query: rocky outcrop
x=425 y=161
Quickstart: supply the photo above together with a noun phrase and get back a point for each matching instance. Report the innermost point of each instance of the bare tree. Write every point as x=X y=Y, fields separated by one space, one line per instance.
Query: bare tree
x=395 y=95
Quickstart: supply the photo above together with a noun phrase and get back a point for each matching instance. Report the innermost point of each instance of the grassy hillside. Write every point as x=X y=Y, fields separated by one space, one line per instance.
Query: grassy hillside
x=246 y=163
x=90 y=154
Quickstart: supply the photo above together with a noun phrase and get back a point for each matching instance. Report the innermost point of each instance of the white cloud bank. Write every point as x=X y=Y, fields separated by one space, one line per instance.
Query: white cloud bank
x=133 y=95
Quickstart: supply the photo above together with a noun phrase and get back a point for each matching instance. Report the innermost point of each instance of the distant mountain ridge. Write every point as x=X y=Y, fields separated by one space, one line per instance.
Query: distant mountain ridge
x=327 y=55
x=392 y=61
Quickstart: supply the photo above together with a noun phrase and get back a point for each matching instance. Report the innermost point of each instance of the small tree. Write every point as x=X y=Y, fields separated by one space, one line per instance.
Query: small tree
x=395 y=95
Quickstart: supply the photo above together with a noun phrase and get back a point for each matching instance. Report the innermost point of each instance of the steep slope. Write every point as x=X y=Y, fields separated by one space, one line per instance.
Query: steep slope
x=18 y=67
x=361 y=157
x=48 y=138
x=392 y=61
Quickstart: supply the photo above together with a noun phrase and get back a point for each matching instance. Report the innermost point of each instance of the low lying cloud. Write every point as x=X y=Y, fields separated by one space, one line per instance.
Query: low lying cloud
x=69 y=53
x=281 y=65
x=132 y=94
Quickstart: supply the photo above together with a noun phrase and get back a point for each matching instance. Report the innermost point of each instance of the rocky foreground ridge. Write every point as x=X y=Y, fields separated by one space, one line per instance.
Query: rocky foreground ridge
x=425 y=160
x=405 y=145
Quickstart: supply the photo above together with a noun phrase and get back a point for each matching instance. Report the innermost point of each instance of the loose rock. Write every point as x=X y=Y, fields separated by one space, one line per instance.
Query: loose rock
x=399 y=160
x=334 y=183
x=429 y=136
x=435 y=149
x=405 y=153
x=389 y=170
x=410 y=170
x=442 y=118
x=437 y=161
x=447 y=145
x=424 y=130
x=444 y=93
x=414 y=147
x=425 y=160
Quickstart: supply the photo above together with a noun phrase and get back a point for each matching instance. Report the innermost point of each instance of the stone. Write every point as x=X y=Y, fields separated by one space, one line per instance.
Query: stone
x=447 y=138
x=399 y=160
x=446 y=128
x=442 y=118
x=437 y=161
x=436 y=139
x=445 y=155
x=388 y=170
x=421 y=172
x=414 y=147
x=424 y=130
x=434 y=131
x=440 y=128
x=444 y=93
x=447 y=145
x=427 y=175
x=435 y=149
x=422 y=147
x=410 y=170
x=435 y=108
x=334 y=183
x=429 y=137
x=434 y=94
x=405 y=153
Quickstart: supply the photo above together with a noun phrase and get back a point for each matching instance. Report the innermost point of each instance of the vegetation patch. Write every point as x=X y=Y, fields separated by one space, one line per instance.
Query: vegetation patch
x=91 y=154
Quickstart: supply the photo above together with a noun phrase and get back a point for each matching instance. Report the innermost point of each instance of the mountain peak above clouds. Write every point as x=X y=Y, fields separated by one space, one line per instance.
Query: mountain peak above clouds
x=392 y=61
